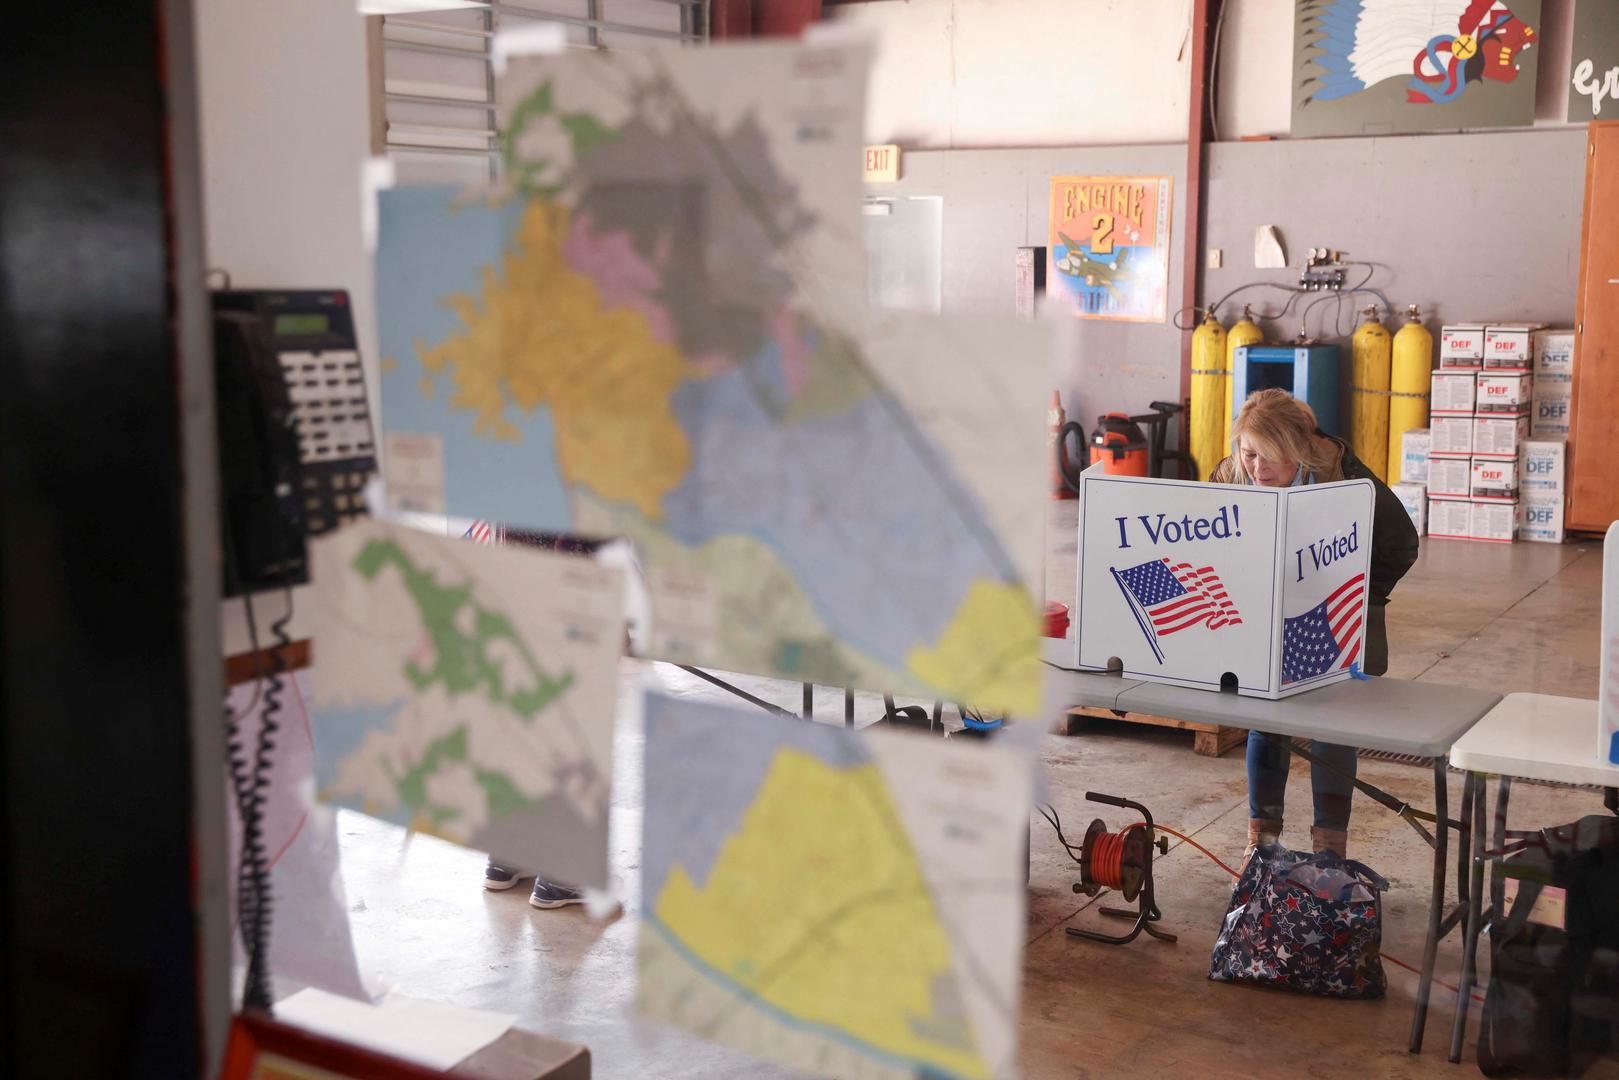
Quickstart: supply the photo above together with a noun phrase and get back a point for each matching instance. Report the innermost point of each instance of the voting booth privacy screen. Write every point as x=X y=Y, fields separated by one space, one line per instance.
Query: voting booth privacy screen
x=1263 y=590
x=1608 y=690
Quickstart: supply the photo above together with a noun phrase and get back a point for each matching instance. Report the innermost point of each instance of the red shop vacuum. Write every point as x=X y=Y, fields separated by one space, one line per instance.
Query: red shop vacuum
x=1120 y=445
x=1123 y=449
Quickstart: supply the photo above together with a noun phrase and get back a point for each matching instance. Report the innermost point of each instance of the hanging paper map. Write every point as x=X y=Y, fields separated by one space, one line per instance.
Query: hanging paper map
x=848 y=904
x=467 y=691
x=657 y=330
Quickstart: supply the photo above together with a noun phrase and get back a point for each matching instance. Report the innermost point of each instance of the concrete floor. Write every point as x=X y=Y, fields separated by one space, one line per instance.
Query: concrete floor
x=1519 y=617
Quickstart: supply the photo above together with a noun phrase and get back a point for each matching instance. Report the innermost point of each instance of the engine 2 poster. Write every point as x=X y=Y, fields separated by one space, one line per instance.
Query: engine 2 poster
x=1109 y=246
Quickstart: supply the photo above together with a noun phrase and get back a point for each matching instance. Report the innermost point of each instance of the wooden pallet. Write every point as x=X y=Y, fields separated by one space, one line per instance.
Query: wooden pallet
x=1209 y=740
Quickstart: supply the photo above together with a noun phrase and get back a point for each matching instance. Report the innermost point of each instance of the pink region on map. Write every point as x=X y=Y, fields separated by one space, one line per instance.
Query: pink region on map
x=625 y=279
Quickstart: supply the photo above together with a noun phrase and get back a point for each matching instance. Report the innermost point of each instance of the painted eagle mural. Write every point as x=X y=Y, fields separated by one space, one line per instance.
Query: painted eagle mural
x=1438 y=46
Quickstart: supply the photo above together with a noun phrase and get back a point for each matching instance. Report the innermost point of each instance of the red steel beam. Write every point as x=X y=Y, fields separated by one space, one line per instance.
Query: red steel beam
x=1205 y=16
x=784 y=18
x=730 y=19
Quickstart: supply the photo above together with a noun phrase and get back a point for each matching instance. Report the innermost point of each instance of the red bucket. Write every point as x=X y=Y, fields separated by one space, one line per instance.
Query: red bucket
x=1056 y=619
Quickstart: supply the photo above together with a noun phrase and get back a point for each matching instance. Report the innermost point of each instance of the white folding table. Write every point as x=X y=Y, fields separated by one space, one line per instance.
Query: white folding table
x=1536 y=737
x=1393 y=715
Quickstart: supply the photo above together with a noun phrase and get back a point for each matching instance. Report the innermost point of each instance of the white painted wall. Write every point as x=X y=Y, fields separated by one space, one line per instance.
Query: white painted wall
x=285 y=131
x=1009 y=73
x=1017 y=73
x=284 y=135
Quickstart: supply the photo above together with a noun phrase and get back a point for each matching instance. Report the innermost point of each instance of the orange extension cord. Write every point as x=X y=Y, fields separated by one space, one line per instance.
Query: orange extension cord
x=1105 y=869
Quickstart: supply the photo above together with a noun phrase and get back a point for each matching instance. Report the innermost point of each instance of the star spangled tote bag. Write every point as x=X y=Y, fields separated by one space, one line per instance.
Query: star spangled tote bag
x=1312 y=923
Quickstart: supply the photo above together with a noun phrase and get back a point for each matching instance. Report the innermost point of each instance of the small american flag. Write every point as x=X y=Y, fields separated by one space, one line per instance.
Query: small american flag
x=1167 y=598
x=481 y=533
x=1327 y=637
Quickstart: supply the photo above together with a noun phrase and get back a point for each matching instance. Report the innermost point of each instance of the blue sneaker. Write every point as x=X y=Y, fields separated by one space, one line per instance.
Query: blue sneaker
x=550 y=895
x=497 y=878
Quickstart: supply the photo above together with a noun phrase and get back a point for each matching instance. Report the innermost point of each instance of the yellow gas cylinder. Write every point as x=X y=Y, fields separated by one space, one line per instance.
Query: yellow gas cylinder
x=1408 y=386
x=1369 y=408
x=1244 y=332
x=1210 y=391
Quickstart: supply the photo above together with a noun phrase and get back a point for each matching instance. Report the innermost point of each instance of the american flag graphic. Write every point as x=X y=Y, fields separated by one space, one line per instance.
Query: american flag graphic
x=1327 y=637
x=1167 y=598
x=481 y=532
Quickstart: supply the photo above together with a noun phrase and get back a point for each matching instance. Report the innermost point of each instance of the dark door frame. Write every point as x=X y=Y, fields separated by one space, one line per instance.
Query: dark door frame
x=109 y=651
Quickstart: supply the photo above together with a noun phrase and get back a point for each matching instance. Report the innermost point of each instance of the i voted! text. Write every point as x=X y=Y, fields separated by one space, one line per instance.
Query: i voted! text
x=1163 y=529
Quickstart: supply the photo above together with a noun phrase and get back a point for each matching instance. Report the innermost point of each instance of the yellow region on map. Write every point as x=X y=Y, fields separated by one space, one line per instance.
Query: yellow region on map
x=826 y=916
x=989 y=655
x=540 y=335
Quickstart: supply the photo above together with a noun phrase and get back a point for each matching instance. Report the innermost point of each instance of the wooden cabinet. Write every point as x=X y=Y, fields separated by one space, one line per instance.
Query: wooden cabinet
x=1593 y=478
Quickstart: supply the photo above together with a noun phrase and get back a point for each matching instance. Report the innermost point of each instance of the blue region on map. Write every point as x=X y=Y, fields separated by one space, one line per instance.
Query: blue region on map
x=425 y=255
x=338 y=733
x=793 y=485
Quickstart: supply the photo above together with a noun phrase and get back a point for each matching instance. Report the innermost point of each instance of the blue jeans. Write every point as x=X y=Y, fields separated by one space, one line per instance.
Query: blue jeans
x=1268 y=760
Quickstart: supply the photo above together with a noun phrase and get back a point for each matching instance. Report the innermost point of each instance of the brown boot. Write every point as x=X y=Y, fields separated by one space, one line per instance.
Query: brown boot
x=1333 y=840
x=1262 y=831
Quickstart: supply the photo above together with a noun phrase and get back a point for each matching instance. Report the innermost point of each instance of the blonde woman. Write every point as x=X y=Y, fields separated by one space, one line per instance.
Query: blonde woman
x=1277 y=444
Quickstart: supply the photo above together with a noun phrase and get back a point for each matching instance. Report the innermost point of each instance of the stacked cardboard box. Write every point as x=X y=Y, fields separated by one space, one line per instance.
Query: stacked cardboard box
x=1413 y=486
x=1542 y=467
x=1482 y=397
x=1414 y=446
x=1553 y=384
x=1414 y=497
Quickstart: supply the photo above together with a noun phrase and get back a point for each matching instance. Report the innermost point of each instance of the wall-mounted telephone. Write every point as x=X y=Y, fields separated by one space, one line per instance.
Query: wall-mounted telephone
x=295 y=437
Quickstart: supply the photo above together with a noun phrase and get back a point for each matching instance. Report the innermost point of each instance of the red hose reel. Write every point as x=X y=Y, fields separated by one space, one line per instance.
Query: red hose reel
x=1121 y=861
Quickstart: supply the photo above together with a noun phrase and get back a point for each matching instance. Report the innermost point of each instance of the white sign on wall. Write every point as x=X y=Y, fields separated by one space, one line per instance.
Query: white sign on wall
x=1608 y=690
x=1211 y=585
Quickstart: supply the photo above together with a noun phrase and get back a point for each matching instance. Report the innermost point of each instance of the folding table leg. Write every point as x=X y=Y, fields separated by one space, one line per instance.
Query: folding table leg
x=1464 y=850
x=848 y=707
x=809 y=701
x=1498 y=841
x=1436 y=903
x=1475 y=783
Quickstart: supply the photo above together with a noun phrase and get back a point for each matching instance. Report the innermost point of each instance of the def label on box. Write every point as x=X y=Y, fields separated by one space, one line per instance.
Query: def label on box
x=1554 y=353
x=1541 y=523
x=1494 y=481
x=1461 y=342
x=1509 y=347
x=1543 y=462
x=1553 y=395
x=1503 y=394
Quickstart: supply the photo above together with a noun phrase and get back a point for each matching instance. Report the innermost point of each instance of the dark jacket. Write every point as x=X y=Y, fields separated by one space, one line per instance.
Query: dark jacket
x=1394 y=541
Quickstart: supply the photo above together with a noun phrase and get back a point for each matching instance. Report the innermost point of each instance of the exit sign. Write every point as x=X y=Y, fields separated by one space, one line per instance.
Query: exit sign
x=882 y=164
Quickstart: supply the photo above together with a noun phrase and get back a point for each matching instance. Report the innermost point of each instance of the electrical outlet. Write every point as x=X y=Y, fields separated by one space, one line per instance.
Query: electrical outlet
x=1215 y=258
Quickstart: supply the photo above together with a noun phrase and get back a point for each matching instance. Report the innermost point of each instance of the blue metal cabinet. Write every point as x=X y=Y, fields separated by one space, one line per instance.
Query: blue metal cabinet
x=1308 y=372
